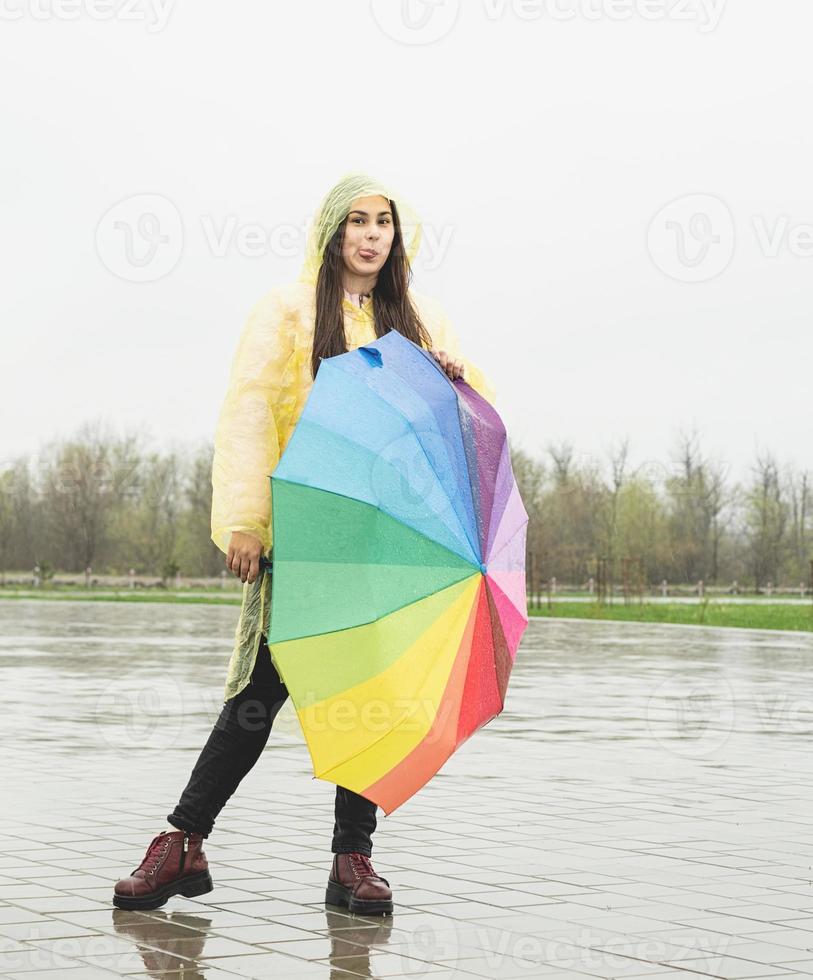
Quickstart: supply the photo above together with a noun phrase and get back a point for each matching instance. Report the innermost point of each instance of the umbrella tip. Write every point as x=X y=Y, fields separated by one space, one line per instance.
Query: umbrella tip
x=483 y=567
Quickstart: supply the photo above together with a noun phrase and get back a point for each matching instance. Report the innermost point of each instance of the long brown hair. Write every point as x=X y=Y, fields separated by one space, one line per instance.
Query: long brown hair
x=393 y=308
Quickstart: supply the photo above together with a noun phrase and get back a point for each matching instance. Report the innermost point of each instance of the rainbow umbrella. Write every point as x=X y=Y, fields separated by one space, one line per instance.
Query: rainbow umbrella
x=398 y=586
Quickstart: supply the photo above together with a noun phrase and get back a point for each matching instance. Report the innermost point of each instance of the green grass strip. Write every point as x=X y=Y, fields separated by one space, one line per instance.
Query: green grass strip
x=751 y=616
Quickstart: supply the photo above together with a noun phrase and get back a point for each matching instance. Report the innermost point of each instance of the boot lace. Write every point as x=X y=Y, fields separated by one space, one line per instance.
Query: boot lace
x=362 y=866
x=155 y=852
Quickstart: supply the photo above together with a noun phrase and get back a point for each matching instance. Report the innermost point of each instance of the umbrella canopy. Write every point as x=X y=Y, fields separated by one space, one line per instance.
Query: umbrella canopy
x=398 y=588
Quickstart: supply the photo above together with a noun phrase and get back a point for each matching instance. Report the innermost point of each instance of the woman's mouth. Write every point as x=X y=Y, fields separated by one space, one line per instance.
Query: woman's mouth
x=367 y=253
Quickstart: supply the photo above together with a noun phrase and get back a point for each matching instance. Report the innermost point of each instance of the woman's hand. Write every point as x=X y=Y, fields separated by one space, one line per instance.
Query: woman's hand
x=243 y=557
x=454 y=369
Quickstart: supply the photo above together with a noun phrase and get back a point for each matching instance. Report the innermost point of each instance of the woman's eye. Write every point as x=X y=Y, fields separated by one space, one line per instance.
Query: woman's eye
x=360 y=221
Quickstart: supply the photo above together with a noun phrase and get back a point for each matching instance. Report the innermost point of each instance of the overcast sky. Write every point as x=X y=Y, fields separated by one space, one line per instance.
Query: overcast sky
x=617 y=194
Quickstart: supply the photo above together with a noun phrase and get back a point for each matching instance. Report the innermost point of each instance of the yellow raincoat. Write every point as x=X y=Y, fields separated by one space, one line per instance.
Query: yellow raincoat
x=268 y=386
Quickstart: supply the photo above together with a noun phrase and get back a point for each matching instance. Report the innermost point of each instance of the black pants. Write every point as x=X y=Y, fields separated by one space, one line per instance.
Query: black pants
x=236 y=742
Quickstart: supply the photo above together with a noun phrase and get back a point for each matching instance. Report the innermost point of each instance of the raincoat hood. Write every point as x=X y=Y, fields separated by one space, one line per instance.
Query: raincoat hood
x=334 y=209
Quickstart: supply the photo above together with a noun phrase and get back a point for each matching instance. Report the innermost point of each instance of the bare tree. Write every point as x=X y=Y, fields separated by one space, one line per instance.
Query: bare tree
x=801 y=526
x=155 y=515
x=83 y=479
x=766 y=520
x=200 y=552
x=697 y=494
x=562 y=456
x=6 y=522
x=618 y=458
x=20 y=534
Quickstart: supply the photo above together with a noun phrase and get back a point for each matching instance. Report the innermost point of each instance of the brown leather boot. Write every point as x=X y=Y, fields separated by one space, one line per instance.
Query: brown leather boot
x=354 y=884
x=173 y=865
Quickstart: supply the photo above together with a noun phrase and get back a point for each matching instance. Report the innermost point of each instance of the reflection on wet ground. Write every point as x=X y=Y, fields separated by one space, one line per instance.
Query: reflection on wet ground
x=641 y=808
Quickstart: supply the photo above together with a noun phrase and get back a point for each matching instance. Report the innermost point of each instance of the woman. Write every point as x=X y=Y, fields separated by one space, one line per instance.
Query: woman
x=354 y=287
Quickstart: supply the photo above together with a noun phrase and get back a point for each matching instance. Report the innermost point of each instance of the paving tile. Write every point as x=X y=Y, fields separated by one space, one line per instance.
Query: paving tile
x=30 y=958
x=73 y=971
x=263 y=933
x=580 y=821
x=12 y=913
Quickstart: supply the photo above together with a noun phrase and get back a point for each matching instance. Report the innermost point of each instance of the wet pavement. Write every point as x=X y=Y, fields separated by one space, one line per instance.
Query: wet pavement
x=642 y=808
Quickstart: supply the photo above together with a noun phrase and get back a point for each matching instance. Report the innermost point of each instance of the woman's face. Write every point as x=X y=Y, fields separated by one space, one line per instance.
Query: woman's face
x=368 y=235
